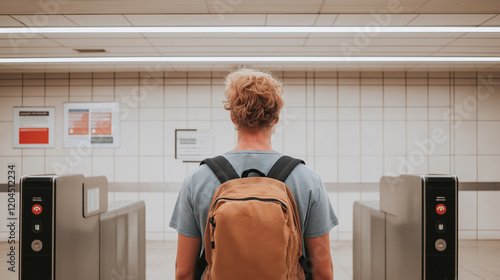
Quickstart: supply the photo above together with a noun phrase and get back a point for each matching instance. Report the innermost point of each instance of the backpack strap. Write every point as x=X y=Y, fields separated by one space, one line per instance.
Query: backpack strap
x=222 y=168
x=283 y=167
x=201 y=265
x=224 y=172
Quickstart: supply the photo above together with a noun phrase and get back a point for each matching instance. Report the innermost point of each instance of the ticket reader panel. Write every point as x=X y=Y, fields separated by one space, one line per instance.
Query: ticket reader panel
x=60 y=226
x=440 y=236
x=36 y=228
x=418 y=216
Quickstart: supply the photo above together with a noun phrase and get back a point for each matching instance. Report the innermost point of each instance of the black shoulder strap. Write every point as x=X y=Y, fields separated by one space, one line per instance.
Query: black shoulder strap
x=201 y=265
x=222 y=168
x=283 y=167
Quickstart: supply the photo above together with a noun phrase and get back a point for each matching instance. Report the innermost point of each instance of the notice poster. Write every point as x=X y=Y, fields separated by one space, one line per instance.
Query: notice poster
x=33 y=127
x=194 y=144
x=92 y=124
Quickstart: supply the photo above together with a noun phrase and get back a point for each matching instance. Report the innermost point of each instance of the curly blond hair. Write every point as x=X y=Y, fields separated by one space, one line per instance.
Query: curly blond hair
x=254 y=98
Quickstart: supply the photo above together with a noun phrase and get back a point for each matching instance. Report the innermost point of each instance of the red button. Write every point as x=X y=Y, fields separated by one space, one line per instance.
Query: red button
x=441 y=209
x=36 y=209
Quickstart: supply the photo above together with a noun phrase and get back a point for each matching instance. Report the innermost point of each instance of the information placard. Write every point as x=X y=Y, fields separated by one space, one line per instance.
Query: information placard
x=194 y=144
x=33 y=127
x=92 y=124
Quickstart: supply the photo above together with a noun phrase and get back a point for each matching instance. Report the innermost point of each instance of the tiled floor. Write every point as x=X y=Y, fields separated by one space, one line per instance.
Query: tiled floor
x=477 y=260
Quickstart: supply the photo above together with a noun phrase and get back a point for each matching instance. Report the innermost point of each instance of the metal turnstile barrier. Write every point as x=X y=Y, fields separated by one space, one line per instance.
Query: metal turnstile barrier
x=412 y=234
x=68 y=232
x=123 y=235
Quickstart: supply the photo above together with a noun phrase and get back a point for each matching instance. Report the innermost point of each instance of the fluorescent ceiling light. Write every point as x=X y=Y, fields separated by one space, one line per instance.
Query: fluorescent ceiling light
x=250 y=29
x=246 y=59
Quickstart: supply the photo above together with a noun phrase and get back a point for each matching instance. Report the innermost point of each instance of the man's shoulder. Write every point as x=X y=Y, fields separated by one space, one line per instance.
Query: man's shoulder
x=304 y=172
x=200 y=174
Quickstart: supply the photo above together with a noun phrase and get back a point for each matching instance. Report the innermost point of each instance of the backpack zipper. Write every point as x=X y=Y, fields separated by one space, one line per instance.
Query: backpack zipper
x=250 y=198
x=212 y=222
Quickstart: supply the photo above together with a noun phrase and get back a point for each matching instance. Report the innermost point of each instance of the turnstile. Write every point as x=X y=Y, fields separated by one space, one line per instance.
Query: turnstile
x=411 y=234
x=64 y=222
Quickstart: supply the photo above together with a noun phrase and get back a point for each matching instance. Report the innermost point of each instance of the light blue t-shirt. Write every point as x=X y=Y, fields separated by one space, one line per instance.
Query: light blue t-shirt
x=316 y=214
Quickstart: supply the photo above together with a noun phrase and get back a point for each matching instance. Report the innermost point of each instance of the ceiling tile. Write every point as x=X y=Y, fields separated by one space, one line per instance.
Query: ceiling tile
x=99 y=20
x=360 y=43
x=291 y=20
x=471 y=51
x=92 y=35
x=371 y=6
x=102 y=43
x=373 y=20
x=477 y=43
x=44 y=20
x=257 y=36
x=21 y=36
x=482 y=35
x=264 y=6
x=460 y=6
x=196 y=20
x=495 y=21
x=122 y=50
x=362 y=35
x=449 y=20
x=7 y=21
x=325 y=19
x=7 y=43
x=52 y=51
x=227 y=42
x=225 y=7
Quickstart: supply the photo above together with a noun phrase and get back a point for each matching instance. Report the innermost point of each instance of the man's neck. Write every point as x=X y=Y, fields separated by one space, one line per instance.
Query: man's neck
x=258 y=139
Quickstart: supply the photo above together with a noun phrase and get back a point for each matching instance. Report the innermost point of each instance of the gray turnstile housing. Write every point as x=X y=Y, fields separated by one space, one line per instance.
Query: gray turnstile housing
x=76 y=236
x=369 y=241
x=404 y=237
x=123 y=235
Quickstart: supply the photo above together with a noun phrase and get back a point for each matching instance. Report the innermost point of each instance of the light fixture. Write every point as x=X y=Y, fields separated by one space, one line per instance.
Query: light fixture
x=316 y=59
x=252 y=29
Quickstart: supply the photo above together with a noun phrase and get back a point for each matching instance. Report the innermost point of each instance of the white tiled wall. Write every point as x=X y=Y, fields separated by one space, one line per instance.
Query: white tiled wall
x=348 y=126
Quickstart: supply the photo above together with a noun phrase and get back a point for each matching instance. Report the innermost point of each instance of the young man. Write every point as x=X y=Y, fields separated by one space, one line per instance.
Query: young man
x=254 y=100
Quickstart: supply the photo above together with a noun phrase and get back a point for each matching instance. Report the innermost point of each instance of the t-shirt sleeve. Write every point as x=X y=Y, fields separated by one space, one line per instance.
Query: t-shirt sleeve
x=321 y=217
x=183 y=219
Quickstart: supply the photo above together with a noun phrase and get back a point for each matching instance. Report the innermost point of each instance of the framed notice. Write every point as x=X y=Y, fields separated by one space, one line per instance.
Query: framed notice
x=33 y=127
x=92 y=125
x=194 y=144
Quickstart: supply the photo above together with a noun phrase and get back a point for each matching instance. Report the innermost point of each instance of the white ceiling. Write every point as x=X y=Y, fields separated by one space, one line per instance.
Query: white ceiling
x=86 y=7
x=23 y=13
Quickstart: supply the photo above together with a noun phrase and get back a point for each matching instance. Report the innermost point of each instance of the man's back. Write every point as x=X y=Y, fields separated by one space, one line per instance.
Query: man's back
x=315 y=212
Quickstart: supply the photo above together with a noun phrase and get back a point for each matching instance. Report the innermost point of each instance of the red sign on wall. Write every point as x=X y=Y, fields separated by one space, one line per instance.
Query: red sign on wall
x=34 y=135
x=34 y=127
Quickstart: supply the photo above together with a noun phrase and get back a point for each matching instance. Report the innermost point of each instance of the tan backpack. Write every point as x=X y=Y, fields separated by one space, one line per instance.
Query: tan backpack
x=253 y=227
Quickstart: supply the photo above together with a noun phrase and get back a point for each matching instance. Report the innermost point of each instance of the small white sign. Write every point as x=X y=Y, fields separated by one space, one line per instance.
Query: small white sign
x=33 y=127
x=194 y=144
x=92 y=124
